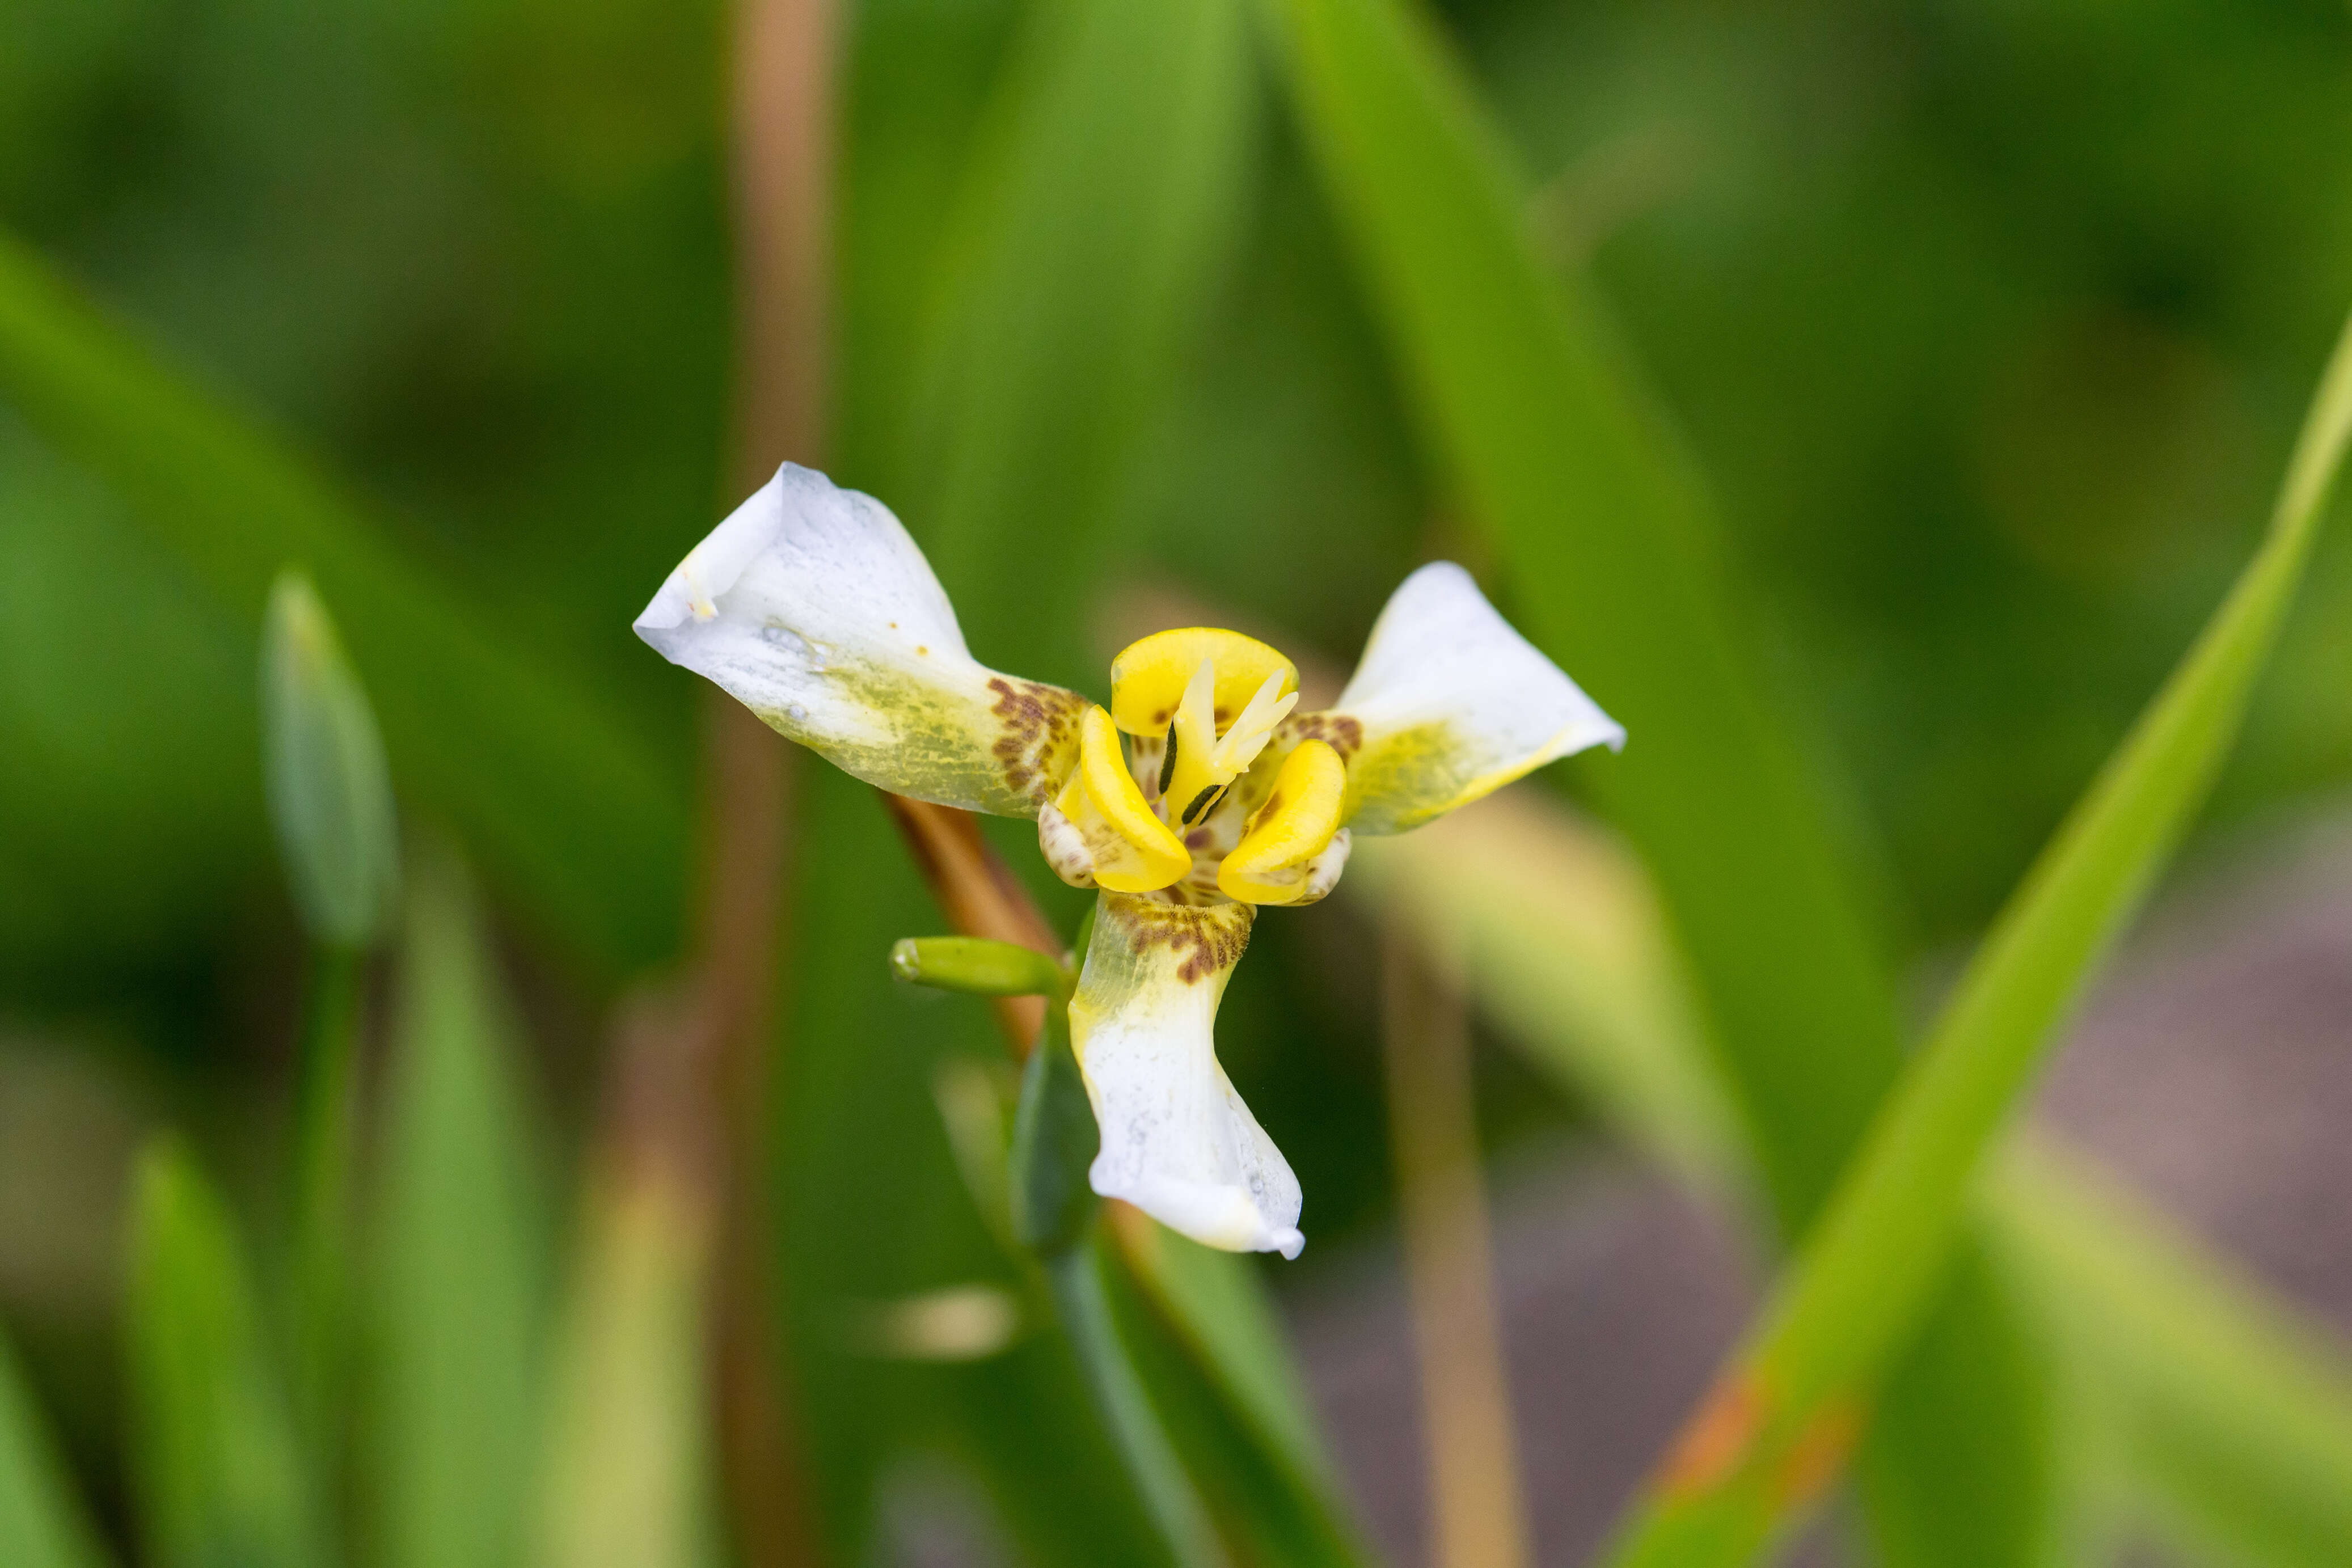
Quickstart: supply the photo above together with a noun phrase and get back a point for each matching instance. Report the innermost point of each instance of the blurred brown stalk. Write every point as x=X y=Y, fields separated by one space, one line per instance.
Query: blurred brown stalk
x=692 y=1092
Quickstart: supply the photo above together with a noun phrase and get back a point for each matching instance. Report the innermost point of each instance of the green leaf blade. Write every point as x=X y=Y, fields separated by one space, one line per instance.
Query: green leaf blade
x=456 y=1442
x=42 y=1524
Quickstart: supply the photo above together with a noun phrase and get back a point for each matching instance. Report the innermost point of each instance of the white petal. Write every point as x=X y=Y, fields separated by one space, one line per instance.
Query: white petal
x=1448 y=704
x=1177 y=1142
x=811 y=606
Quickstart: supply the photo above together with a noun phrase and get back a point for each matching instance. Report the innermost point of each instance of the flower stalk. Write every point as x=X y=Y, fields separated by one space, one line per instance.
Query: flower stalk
x=1056 y=1213
x=331 y=804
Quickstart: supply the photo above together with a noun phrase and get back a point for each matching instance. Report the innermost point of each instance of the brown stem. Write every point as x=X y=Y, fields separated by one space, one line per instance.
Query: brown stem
x=784 y=111
x=1477 y=1515
x=980 y=897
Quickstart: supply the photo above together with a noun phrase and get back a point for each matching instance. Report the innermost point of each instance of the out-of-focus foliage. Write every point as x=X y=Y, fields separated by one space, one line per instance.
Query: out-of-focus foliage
x=628 y=1441
x=41 y=1523
x=458 y=1296
x=221 y=1477
x=1866 y=1274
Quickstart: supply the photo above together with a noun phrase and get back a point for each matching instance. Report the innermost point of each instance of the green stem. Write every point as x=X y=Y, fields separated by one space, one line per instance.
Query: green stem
x=322 y=1174
x=1076 y=1277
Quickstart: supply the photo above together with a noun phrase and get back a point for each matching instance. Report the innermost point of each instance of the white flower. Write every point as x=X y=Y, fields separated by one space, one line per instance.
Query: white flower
x=1198 y=794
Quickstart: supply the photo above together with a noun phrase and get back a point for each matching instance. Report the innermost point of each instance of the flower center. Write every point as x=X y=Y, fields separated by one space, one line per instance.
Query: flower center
x=1193 y=711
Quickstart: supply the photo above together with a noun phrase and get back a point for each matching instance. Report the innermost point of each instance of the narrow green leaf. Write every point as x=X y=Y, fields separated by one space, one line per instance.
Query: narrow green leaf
x=1084 y=1307
x=1102 y=204
x=220 y=1480
x=1215 y=1307
x=1217 y=1303
x=2234 y=1412
x=330 y=789
x=2237 y=1415
x=1550 y=447
x=325 y=1148
x=585 y=818
x=1054 y=1143
x=42 y=1524
x=458 y=1327
x=1868 y=1272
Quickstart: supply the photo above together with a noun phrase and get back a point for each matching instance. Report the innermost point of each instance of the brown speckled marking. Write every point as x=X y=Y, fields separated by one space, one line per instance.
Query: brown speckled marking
x=1211 y=939
x=1040 y=721
x=1343 y=732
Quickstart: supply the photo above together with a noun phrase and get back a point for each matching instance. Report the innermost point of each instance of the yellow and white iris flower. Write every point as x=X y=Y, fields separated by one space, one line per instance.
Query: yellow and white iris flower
x=1196 y=796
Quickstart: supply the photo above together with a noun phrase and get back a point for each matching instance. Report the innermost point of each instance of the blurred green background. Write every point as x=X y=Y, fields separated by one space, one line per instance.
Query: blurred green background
x=1988 y=327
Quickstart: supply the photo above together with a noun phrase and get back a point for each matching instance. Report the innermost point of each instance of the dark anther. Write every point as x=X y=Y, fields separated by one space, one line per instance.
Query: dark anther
x=1168 y=763
x=1202 y=802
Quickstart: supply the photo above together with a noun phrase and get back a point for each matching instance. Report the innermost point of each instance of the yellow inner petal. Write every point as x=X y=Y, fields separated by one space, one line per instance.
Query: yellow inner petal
x=1295 y=825
x=1202 y=763
x=1149 y=679
x=1134 y=851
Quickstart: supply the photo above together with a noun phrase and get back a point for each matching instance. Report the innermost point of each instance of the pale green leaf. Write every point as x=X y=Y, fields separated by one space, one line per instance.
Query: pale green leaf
x=629 y=1480
x=456 y=1442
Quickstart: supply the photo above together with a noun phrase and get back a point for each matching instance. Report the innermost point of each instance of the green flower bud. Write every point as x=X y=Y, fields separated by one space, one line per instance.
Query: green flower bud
x=977 y=967
x=330 y=795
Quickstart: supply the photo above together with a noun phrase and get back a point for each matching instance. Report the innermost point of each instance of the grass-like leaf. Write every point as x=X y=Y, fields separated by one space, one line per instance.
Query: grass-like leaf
x=41 y=1520
x=1262 y=1439
x=1869 y=1271
x=1612 y=560
x=220 y=1477
x=585 y=820
x=456 y=1443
